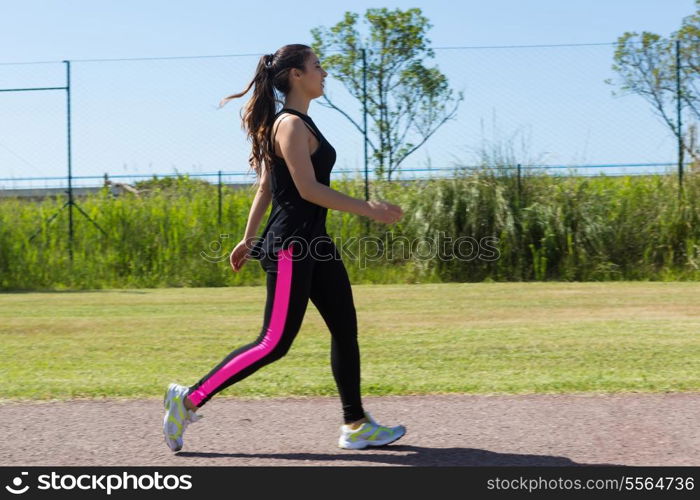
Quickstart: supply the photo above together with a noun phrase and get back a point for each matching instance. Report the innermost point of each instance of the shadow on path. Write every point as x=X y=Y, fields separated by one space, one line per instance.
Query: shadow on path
x=418 y=456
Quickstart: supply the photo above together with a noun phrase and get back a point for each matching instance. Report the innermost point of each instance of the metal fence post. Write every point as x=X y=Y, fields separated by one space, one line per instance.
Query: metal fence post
x=678 y=115
x=70 y=167
x=520 y=191
x=219 y=187
x=364 y=117
x=364 y=133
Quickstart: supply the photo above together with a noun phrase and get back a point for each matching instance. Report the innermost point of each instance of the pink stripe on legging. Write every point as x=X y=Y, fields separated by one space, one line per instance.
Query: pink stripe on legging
x=272 y=336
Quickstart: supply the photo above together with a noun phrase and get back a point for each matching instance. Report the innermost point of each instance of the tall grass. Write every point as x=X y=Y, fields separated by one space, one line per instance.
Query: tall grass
x=553 y=228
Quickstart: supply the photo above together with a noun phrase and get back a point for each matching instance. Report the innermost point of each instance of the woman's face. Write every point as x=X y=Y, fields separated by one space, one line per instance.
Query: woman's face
x=312 y=81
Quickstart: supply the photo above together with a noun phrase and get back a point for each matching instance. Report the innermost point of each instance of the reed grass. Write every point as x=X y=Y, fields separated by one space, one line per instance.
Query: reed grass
x=554 y=228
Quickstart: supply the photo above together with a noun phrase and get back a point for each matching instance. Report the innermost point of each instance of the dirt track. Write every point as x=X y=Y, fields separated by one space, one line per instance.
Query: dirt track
x=549 y=430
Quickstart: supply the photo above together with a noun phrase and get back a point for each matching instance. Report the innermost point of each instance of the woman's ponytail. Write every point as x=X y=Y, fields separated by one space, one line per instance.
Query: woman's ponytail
x=271 y=73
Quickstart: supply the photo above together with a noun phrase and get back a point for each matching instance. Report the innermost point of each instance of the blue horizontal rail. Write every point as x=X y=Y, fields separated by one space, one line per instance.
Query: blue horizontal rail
x=341 y=171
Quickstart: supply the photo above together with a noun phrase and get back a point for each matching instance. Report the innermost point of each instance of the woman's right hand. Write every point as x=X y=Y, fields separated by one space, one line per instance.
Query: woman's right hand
x=383 y=211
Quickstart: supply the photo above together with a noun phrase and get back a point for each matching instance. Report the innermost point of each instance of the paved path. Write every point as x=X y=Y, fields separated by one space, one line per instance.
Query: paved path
x=550 y=430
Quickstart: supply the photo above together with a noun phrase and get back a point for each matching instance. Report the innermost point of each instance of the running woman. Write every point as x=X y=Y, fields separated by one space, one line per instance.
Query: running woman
x=293 y=162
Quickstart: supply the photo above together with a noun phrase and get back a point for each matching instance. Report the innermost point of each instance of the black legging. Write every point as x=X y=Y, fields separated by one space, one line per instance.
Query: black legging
x=292 y=280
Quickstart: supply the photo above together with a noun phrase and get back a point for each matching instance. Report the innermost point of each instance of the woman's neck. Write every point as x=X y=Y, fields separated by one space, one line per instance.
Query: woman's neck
x=300 y=107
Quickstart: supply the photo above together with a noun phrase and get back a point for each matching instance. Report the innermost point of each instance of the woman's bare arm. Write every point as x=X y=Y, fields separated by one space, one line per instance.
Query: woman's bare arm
x=261 y=202
x=295 y=151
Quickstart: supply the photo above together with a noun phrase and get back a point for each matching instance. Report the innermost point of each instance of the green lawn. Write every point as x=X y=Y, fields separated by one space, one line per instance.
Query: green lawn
x=414 y=339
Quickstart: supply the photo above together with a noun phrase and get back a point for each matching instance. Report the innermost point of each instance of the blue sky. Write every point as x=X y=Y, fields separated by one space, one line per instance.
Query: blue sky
x=61 y=29
x=153 y=116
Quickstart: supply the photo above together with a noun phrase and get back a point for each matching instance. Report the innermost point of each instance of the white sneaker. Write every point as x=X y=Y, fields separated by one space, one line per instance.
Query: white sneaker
x=177 y=416
x=369 y=434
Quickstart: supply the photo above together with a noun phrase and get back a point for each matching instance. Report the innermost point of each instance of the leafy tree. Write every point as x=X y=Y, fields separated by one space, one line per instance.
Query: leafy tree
x=647 y=65
x=403 y=94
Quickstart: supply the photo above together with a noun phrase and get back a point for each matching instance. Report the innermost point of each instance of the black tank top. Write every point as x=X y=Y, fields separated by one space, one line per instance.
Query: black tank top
x=294 y=219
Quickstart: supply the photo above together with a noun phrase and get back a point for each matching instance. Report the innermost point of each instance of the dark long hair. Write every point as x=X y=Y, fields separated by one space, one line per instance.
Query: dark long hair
x=271 y=73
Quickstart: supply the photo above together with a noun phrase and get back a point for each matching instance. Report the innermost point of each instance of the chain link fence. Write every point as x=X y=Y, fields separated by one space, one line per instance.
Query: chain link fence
x=524 y=108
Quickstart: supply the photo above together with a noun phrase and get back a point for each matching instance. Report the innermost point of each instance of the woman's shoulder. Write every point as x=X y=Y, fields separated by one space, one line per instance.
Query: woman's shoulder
x=286 y=119
x=289 y=123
